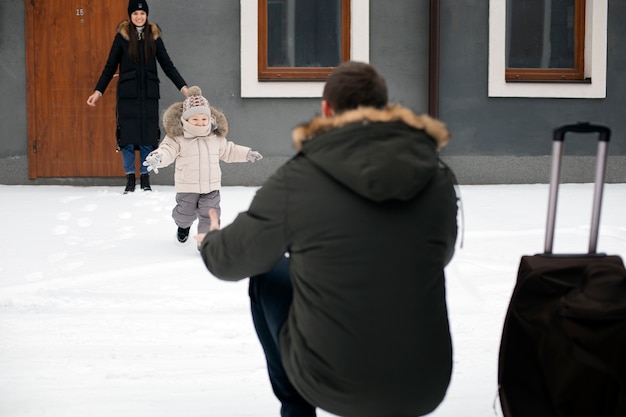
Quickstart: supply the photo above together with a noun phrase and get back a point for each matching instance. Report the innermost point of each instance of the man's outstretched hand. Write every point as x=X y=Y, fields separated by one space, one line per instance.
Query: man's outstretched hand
x=215 y=225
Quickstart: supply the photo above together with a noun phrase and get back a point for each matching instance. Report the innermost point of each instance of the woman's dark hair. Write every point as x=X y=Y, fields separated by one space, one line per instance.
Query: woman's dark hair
x=354 y=84
x=149 y=46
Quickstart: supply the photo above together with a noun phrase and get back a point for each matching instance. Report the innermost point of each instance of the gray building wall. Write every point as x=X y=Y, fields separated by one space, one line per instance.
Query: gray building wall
x=495 y=140
x=507 y=140
x=13 y=140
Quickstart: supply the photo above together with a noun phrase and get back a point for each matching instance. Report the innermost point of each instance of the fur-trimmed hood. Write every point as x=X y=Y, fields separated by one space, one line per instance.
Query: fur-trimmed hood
x=380 y=154
x=124 y=29
x=174 y=127
x=392 y=113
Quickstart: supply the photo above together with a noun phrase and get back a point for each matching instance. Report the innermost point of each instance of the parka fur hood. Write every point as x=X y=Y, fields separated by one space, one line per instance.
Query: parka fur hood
x=174 y=127
x=392 y=113
x=380 y=154
x=123 y=28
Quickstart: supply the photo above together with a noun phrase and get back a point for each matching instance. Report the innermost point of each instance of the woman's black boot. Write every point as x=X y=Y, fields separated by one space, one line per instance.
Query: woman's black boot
x=145 y=182
x=130 y=183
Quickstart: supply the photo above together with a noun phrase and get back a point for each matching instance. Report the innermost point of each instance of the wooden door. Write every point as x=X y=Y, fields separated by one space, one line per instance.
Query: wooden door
x=67 y=43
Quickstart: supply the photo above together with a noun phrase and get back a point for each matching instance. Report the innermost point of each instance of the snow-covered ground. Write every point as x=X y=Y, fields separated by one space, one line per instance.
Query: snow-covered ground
x=104 y=314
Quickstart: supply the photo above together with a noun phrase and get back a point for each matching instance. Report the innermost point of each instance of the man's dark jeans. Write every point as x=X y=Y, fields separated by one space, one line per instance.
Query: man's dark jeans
x=270 y=299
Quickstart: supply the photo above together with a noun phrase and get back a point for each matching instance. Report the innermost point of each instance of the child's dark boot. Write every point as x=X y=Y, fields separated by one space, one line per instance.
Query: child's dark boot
x=183 y=234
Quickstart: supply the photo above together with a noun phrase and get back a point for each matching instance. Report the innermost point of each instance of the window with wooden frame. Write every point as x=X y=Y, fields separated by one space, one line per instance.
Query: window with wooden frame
x=302 y=40
x=545 y=41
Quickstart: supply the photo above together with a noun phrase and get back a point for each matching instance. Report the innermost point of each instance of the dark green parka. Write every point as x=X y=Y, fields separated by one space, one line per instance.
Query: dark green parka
x=368 y=217
x=138 y=87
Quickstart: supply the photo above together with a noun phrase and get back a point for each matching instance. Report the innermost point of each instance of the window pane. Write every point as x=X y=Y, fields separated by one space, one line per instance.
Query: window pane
x=540 y=34
x=304 y=33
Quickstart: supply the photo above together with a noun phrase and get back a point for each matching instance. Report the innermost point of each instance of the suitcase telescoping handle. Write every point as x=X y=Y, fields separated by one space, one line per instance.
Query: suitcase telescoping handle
x=557 y=154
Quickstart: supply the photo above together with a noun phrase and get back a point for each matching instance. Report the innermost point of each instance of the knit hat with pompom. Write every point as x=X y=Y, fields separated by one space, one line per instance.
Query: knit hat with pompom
x=195 y=103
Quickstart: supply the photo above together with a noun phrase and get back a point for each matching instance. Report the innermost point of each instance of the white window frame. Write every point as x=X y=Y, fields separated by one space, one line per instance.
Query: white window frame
x=250 y=85
x=596 y=24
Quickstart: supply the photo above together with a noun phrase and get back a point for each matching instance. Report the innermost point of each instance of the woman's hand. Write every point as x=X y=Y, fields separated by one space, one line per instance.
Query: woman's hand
x=93 y=98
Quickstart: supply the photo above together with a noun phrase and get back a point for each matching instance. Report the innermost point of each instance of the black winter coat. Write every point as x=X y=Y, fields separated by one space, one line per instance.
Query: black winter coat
x=138 y=87
x=368 y=217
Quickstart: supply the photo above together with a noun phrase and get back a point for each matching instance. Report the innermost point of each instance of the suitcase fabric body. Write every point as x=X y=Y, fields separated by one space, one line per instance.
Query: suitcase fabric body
x=563 y=347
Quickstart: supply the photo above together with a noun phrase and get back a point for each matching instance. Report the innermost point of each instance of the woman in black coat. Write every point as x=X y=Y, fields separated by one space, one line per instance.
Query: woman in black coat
x=136 y=49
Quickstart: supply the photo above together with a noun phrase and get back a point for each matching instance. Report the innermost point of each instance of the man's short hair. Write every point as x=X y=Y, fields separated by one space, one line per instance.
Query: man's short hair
x=354 y=84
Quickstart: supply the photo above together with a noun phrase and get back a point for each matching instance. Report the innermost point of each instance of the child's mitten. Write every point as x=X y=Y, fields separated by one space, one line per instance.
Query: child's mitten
x=253 y=156
x=152 y=161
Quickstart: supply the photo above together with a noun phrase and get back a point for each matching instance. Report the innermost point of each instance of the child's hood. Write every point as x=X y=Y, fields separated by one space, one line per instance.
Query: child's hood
x=174 y=127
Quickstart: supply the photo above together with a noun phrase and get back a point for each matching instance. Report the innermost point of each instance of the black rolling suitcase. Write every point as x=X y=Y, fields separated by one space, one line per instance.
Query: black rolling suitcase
x=563 y=346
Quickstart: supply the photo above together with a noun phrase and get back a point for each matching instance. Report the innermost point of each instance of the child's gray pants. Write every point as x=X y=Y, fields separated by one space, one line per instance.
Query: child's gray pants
x=192 y=206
